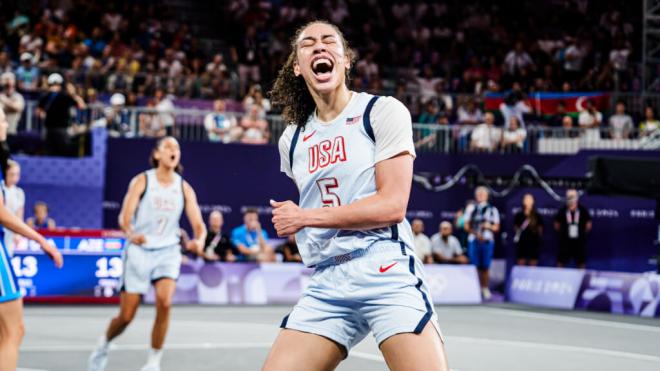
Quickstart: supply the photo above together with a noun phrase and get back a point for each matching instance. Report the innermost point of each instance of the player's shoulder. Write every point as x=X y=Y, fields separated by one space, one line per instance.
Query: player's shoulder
x=388 y=106
x=140 y=180
x=287 y=136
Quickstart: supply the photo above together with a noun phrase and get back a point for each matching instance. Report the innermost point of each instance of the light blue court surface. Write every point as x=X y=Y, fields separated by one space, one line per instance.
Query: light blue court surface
x=493 y=338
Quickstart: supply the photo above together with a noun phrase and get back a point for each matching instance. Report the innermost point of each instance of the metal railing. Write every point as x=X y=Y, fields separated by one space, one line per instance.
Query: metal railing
x=188 y=125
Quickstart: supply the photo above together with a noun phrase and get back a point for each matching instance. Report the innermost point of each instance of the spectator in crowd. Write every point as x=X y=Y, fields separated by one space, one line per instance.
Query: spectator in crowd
x=248 y=54
x=11 y=101
x=486 y=137
x=573 y=224
x=27 y=74
x=40 y=220
x=55 y=108
x=165 y=107
x=515 y=105
x=574 y=57
x=430 y=113
x=445 y=248
x=221 y=126
x=255 y=128
x=650 y=123
x=482 y=221
x=366 y=67
x=443 y=99
x=621 y=124
x=513 y=137
x=217 y=66
x=430 y=116
x=567 y=125
x=14 y=199
x=528 y=227
x=557 y=119
x=5 y=63
x=517 y=60
x=252 y=241
x=427 y=83
x=255 y=96
x=151 y=124
x=421 y=241
x=218 y=245
x=114 y=119
x=590 y=120
x=469 y=114
x=289 y=250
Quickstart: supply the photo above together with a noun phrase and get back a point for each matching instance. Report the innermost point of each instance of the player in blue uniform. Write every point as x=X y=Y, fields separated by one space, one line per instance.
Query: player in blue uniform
x=11 y=304
x=351 y=156
x=150 y=219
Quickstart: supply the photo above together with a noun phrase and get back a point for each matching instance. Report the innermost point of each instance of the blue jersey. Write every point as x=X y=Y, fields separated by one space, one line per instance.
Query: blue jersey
x=8 y=288
x=333 y=164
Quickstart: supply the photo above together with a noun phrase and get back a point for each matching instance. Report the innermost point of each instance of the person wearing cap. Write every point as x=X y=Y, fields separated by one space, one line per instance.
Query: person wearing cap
x=113 y=117
x=54 y=108
x=27 y=74
x=11 y=101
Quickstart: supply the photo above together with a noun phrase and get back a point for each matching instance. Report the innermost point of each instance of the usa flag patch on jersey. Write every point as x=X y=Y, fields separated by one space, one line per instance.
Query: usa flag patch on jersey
x=353 y=120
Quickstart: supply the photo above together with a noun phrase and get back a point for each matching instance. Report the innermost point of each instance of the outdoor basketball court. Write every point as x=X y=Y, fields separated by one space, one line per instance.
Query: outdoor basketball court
x=494 y=338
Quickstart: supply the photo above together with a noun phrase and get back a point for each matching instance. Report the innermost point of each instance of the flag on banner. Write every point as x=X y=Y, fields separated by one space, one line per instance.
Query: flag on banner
x=546 y=103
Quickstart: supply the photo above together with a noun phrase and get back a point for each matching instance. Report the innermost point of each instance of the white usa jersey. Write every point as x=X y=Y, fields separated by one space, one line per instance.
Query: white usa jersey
x=159 y=212
x=334 y=163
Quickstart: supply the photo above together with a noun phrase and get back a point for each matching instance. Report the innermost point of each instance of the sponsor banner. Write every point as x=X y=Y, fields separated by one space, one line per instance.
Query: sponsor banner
x=251 y=283
x=546 y=103
x=547 y=287
x=621 y=293
x=453 y=284
x=613 y=292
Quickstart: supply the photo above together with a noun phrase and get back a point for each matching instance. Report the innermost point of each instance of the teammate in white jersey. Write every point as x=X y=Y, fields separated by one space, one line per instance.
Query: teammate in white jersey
x=351 y=156
x=150 y=219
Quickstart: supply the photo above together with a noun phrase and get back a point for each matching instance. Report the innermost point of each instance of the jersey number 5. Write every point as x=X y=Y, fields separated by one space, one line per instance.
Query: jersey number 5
x=328 y=197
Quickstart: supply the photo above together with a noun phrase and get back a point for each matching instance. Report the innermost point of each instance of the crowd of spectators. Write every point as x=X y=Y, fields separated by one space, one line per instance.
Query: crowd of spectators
x=471 y=237
x=429 y=47
x=438 y=58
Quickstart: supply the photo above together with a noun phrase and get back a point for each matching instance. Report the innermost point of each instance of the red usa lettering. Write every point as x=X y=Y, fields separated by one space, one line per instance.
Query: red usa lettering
x=325 y=153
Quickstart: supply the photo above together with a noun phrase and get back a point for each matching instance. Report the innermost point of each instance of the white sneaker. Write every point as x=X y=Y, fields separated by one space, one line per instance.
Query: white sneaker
x=485 y=292
x=151 y=366
x=98 y=359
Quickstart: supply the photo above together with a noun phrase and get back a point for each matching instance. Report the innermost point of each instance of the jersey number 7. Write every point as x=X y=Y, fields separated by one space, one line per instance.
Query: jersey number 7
x=328 y=197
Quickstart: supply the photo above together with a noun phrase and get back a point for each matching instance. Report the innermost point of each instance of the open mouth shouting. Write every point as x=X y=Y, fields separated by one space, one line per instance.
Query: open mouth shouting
x=322 y=68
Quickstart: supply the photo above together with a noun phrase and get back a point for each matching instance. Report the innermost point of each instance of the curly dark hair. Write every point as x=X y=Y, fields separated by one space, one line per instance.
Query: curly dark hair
x=290 y=92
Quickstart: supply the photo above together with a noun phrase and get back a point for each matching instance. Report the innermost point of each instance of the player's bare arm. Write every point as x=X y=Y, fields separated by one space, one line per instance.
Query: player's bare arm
x=385 y=208
x=129 y=205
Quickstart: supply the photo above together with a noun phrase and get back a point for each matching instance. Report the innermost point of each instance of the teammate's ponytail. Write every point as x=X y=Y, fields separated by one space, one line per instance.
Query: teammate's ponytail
x=290 y=91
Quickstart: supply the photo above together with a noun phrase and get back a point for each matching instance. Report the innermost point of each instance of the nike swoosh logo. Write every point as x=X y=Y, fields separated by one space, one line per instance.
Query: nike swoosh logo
x=309 y=136
x=385 y=269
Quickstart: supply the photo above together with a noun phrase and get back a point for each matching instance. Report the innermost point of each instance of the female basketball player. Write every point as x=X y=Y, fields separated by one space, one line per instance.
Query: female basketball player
x=150 y=217
x=11 y=304
x=351 y=155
